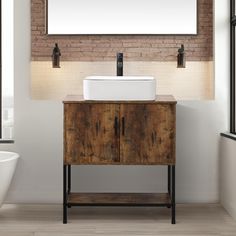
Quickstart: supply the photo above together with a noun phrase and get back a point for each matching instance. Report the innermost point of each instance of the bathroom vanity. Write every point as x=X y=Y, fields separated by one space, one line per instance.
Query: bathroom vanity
x=119 y=133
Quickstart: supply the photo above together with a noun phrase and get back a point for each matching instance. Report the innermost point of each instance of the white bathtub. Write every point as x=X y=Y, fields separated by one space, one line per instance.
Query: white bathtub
x=8 y=161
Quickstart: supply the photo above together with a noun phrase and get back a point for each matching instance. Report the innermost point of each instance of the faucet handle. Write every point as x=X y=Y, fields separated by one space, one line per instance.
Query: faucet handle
x=119 y=55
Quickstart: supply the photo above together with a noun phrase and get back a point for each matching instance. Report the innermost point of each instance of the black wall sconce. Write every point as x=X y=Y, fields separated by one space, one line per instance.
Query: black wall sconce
x=56 y=57
x=181 y=62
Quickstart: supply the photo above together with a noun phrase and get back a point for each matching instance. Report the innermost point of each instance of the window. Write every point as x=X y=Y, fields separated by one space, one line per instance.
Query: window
x=7 y=70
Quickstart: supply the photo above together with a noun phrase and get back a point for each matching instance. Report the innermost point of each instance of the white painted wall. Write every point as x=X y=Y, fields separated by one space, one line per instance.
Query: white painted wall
x=38 y=136
x=228 y=175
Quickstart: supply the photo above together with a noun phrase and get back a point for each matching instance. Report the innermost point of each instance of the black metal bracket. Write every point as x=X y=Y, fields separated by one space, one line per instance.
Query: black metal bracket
x=67 y=191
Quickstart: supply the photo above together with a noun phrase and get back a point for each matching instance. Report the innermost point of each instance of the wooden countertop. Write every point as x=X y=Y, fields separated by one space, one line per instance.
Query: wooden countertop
x=80 y=99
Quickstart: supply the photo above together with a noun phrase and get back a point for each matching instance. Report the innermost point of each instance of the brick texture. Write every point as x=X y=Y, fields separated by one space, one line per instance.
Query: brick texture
x=135 y=47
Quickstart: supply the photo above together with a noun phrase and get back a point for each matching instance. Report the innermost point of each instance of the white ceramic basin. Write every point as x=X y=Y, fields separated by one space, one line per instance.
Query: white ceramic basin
x=119 y=88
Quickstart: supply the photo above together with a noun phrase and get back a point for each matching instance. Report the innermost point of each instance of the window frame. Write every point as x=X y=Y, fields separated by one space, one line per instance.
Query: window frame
x=232 y=65
x=0 y=69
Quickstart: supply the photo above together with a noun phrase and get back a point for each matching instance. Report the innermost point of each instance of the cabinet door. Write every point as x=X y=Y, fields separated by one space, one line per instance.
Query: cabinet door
x=90 y=133
x=147 y=134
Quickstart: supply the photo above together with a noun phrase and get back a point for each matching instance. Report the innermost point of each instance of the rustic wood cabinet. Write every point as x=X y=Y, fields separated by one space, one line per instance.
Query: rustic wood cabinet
x=90 y=136
x=147 y=134
x=119 y=133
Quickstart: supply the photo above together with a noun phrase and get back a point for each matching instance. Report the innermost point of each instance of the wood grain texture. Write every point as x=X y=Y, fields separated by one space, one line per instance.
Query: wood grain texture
x=145 y=133
x=45 y=220
x=148 y=135
x=89 y=134
x=80 y=99
x=119 y=198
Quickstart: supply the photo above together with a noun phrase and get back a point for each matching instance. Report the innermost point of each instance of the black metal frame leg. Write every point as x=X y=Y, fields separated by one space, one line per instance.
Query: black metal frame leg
x=169 y=179
x=69 y=182
x=69 y=178
x=64 y=194
x=173 y=194
x=67 y=190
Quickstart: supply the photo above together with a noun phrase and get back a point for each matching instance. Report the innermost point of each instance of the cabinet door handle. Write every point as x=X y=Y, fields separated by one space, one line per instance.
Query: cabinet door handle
x=123 y=125
x=116 y=125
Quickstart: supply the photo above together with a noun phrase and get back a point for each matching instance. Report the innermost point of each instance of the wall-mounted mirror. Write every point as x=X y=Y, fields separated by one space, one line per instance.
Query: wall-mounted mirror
x=79 y=17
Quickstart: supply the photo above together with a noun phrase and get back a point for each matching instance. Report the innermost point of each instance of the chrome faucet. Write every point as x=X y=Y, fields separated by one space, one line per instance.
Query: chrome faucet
x=119 y=64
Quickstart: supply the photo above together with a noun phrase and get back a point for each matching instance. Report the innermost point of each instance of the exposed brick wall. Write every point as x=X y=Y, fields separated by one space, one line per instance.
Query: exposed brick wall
x=135 y=47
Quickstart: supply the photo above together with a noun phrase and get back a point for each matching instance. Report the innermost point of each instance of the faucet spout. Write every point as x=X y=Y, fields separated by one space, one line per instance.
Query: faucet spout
x=119 y=64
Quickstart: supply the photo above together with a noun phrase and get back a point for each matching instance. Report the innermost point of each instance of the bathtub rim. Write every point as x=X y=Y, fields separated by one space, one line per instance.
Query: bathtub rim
x=11 y=157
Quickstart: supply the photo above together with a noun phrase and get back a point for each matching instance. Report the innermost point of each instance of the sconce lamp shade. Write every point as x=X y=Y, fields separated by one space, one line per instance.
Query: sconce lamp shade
x=56 y=57
x=181 y=62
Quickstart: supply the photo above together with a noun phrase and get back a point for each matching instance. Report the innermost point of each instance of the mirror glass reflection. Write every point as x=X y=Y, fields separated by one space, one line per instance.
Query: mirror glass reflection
x=121 y=17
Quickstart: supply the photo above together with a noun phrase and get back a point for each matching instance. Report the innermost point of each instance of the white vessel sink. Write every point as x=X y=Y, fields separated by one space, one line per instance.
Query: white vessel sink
x=119 y=88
